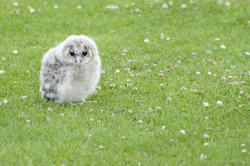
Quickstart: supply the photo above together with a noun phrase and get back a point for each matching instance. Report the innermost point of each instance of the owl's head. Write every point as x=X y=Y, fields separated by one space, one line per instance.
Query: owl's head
x=79 y=50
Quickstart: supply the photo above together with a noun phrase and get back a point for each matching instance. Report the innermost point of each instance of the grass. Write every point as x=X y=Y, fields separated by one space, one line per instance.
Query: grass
x=32 y=135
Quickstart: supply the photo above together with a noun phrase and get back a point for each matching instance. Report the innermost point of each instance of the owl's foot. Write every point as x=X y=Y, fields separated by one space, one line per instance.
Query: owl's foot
x=91 y=101
x=49 y=99
x=84 y=101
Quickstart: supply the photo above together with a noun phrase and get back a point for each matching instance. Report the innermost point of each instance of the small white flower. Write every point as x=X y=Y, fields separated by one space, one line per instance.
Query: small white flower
x=161 y=74
x=222 y=46
x=243 y=150
x=229 y=77
x=32 y=10
x=146 y=41
x=167 y=38
x=90 y=135
x=135 y=88
x=127 y=70
x=28 y=121
x=161 y=85
x=209 y=73
x=140 y=121
x=101 y=147
x=219 y=103
x=242 y=145
x=1 y=71
x=112 y=85
x=227 y=3
x=24 y=97
x=163 y=127
x=182 y=132
x=208 y=52
x=247 y=53
x=158 y=108
x=215 y=75
x=55 y=6
x=205 y=104
x=205 y=144
x=49 y=109
x=206 y=136
x=154 y=64
x=91 y=119
x=102 y=71
x=5 y=101
x=217 y=39
x=183 y=88
x=220 y=1
x=79 y=7
x=15 y=51
x=203 y=157
x=223 y=78
x=235 y=83
x=61 y=114
x=171 y=3
x=15 y=4
x=3 y=59
x=137 y=10
x=198 y=73
x=243 y=82
x=164 y=6
x=169 y=99
x=130 y=111
x=114 y=7
x=117 y=71
x=183 y=6
x=206 y=118
x=1 y=103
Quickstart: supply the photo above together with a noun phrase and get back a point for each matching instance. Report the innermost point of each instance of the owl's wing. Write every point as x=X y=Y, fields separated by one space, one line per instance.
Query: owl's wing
x=52 y=73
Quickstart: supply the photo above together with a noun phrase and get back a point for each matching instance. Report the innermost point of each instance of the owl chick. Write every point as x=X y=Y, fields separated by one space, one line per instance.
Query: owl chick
x=71 y=70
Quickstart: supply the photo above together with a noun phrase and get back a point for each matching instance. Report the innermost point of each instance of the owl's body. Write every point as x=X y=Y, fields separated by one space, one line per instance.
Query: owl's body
x=70 y=71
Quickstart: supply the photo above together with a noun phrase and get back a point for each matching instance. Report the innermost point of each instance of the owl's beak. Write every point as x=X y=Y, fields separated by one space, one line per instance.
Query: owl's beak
x=78 y=60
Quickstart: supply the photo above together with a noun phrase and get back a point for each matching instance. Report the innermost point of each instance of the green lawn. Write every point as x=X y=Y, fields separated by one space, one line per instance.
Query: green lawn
x=126 y=126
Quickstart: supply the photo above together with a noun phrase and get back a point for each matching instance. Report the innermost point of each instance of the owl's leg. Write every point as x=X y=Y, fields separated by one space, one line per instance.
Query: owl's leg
x=49 y=94
x=84 y=101
x=50 y=99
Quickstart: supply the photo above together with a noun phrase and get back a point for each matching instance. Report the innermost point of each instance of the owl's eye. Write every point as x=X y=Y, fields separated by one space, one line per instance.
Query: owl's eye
x=72 y=53
x=84 y=53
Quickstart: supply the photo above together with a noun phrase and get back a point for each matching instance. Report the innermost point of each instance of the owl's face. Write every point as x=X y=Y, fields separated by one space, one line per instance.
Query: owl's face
x=79 y=50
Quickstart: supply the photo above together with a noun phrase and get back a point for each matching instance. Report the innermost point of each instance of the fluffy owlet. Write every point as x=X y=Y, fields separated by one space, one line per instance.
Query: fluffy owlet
x=71 y=70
